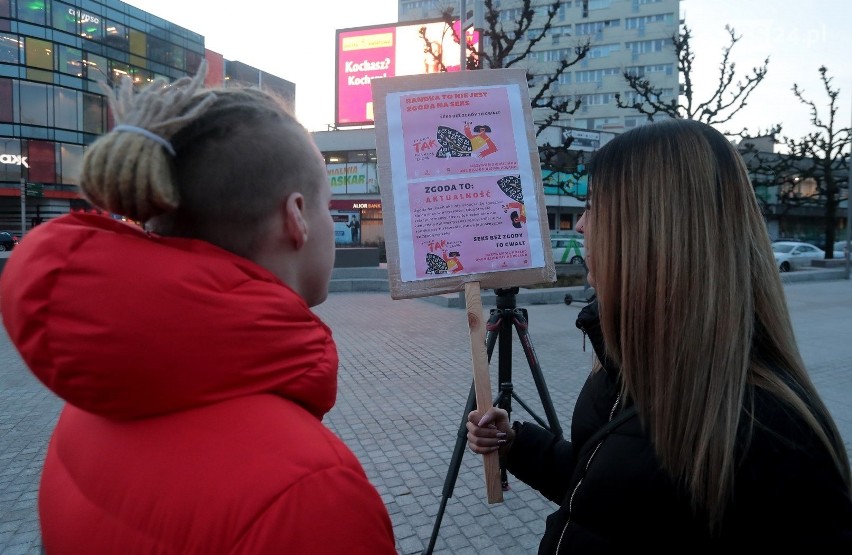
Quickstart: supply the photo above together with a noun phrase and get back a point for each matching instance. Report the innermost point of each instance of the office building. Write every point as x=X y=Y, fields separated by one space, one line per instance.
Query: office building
x=54 y=56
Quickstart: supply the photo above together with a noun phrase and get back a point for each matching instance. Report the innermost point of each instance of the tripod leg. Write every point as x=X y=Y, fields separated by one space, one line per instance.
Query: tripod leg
x=492 y=332
x=453 y=471
x=504 y=378
x=519 y=319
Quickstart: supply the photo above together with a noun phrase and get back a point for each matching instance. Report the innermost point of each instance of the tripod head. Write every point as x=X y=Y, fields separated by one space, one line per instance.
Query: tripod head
x=506 y=298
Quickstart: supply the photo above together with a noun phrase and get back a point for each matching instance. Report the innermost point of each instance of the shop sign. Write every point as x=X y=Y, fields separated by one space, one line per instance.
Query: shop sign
x=14 y=159
x=83 y=17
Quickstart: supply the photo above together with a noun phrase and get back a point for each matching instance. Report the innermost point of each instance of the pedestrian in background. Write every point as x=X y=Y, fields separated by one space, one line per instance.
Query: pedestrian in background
x=194 y=372
x=698 y=429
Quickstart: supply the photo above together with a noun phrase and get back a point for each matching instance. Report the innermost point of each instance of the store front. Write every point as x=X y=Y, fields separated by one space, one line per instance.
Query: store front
x=357 y=222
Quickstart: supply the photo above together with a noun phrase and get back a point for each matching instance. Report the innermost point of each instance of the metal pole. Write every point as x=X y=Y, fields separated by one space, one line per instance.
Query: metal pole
x=848 y=211
x=463 y=37
x=23 y=207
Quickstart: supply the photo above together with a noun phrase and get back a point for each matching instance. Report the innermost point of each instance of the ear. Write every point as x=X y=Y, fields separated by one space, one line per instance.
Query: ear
x=294 y=221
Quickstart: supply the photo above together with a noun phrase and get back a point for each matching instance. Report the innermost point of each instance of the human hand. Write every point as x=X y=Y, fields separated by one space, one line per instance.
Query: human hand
x=489 y=432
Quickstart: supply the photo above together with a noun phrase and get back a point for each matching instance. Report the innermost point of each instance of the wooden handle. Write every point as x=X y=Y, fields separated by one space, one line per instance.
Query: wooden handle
x=482 y=382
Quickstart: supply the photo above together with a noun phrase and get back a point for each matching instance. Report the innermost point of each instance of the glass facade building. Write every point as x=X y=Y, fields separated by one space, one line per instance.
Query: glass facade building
x=55 y=56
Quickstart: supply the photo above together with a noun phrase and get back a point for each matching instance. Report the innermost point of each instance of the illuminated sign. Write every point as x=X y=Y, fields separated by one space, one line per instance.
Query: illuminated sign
x=14 y=159
x=368 y=53
x=352 y=178
x=83 y=17
x=355 y=204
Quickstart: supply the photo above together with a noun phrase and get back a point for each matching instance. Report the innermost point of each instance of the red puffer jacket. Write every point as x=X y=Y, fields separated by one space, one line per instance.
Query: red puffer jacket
x=195 y=384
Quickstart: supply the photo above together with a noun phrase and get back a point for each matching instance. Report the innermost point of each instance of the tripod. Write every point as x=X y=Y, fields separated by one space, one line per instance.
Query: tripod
x=499 y=331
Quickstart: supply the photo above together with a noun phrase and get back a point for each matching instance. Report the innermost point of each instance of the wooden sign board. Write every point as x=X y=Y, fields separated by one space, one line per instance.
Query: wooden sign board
x=460 y=182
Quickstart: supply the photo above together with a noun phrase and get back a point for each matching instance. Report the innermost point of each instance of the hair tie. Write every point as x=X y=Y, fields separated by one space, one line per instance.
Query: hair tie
x=145 y=133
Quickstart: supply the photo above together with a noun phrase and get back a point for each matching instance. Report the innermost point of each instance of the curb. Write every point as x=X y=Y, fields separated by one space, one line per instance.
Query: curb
x=547 y=295
x=372 y=280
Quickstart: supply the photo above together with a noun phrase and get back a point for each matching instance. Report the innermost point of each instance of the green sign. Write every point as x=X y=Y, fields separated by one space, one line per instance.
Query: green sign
x=35 y=190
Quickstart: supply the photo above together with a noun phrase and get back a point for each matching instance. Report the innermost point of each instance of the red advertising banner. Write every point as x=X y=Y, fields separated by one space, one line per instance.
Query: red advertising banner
x=368 y=53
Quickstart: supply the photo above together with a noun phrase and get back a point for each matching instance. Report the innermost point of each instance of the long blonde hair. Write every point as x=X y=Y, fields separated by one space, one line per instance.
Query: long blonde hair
x=691 y=303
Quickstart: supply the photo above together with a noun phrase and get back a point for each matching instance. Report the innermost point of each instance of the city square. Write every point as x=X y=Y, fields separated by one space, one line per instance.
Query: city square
x=404 y=379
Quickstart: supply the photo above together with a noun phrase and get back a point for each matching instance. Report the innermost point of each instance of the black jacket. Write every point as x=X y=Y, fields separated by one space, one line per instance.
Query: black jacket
x=613 y=494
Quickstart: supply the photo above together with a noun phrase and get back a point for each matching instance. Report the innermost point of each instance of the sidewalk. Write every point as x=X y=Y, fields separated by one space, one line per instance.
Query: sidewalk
x=403 y=384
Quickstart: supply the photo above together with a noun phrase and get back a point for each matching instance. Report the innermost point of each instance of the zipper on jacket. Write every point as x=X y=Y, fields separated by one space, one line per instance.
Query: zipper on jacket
x=585 y=471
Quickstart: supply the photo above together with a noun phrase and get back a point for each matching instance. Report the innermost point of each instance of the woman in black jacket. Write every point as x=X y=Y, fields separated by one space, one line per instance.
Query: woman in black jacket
x=699 y=429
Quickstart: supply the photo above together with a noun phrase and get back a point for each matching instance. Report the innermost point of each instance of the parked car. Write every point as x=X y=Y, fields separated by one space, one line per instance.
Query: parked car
x=7 y=241
x=839 y=249
x=791 y=255
x=568 y=250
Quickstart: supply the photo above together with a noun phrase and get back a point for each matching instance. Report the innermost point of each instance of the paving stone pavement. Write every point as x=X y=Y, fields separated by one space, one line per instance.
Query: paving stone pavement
x=404 y=382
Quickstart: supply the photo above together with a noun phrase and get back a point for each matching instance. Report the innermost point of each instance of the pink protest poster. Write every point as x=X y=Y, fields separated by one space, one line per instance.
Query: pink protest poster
x=453 y=132
x=471 y=225
x=459 y=166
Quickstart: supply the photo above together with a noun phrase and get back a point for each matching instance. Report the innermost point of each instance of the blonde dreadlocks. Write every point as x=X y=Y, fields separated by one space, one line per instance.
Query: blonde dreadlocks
x=130 y=173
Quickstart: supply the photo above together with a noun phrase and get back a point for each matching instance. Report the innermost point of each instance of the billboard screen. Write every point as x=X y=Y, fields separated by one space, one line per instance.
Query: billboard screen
x=367 y=53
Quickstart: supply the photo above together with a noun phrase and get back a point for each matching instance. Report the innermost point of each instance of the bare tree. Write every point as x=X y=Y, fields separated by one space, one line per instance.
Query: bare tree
x=821 y=161
x=505 y=44
x=731 y=94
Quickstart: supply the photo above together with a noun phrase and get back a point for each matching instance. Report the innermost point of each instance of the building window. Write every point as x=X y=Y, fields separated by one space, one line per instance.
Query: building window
x=94 y=114
x=631 y=122
x=33 y=104
x=91 y=26
x=69 y=60
x=96 y=67
x=141 y=76
x=10 y=172
x=33 y=11
x=642 y=21
x=193 y=61
x=117 y=70
x=39 y=53
x=352 y=172
x=511 y=14
x=603 y=50
x=138 y=45
x=65 y=18
x=597 y=99
x=66 y=108
x=10 y=49
x=115 y=36
x=7 y=111
x=70 y=163
x=646 y=46
x=599 y=4
x=165 y=53
x=594 y=75
x=594 y=27
x=42 y=161
x=641 y=71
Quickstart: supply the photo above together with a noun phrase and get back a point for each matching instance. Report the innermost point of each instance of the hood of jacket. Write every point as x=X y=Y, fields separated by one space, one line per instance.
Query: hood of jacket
x=127 y=324
x=588 y=321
